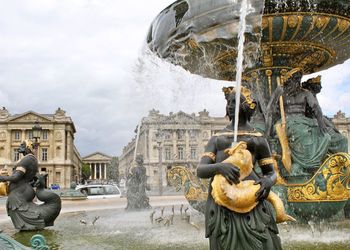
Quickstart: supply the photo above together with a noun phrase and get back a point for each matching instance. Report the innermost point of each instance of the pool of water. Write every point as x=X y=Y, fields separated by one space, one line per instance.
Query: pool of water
x=118 y=229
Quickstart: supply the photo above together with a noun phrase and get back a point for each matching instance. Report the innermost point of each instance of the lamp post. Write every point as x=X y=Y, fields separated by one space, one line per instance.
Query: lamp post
x=159 y=138
x=36 y=136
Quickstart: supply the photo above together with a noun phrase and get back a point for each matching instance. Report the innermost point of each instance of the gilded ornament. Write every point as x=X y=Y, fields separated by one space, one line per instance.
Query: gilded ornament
x=210 y=155
x=290 y=73
x=322 y=21
x=343 y=25
x=293 y=21
x=241 y=197
x=266 y=161
x=335 y=171
x=193 y=44
x=195 y=190
x=252 y=133
x=264 y=22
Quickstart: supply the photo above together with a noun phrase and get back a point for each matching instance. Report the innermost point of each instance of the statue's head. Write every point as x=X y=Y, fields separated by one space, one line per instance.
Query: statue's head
x=26 y=147
x=313 y=85
x=293 y=78
x=247 y=103
x=139 y=159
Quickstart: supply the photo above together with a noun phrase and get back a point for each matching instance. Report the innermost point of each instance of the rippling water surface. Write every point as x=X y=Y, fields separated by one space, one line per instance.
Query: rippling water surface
x=117 y=229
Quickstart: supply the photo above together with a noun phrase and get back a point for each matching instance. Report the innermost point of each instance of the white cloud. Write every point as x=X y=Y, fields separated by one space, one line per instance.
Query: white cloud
x=81 y=55
x=335 y=91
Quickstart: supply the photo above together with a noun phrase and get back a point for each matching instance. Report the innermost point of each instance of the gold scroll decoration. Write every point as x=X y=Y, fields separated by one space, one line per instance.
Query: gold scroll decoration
x=330 y=183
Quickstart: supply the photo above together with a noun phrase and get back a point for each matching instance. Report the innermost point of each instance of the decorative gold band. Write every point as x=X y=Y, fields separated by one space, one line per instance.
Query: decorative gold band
x=252 y=133
x=210 y=155
x=265 y=161
x=22 y=169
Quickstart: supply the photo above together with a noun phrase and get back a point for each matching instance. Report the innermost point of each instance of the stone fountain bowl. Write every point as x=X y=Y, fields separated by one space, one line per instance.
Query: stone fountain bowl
x=201 y=36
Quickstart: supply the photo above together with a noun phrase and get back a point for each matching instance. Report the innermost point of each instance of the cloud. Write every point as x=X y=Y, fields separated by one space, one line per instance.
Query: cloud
x=86 y=57
x=76 y=55
x=335 y=89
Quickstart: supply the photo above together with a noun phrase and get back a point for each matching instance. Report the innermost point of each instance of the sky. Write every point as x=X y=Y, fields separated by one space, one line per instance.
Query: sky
x=87 y=57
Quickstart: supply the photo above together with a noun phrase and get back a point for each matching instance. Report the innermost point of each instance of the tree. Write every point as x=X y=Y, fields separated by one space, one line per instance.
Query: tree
x=85 y=171
x=113 y=170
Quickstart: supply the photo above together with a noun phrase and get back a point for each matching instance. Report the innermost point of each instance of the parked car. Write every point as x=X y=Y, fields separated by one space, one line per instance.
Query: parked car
x=99 y=191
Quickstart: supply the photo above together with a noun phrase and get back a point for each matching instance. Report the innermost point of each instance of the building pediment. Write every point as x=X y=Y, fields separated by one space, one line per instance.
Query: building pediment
x=30 y=117
x=97 y=156
x=179 y=118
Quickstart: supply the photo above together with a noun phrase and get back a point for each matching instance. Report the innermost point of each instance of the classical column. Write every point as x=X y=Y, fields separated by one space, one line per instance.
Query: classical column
x=90 y=170
x=95 y=168
x=187 y=149
x=69 y=146
x=174 y=139
x=100 y=174
x=105 y=167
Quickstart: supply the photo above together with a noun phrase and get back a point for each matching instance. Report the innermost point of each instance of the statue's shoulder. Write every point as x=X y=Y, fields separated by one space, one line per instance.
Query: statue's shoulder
x=29 y=162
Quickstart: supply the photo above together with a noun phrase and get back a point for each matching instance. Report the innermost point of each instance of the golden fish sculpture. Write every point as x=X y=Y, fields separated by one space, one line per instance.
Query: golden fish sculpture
x=4 y=190
x=241 y=197
x=4 y=187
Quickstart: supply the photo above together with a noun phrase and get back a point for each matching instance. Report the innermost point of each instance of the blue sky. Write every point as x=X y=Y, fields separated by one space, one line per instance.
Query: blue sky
x=83 y=56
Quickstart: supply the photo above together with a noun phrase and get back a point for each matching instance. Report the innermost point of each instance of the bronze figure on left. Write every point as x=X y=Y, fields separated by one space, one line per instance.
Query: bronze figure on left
x=24 y=184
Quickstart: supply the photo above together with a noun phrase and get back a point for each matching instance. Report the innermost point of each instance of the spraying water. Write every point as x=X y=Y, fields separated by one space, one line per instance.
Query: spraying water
x=137 y=139
x=239 y=64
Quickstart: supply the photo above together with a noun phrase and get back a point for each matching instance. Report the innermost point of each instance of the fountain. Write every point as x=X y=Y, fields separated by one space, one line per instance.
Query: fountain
x=281 y=39
x=201 y=36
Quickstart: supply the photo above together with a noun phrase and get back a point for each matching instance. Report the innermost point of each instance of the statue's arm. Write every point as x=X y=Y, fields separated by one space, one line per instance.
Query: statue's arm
x=265 y=162
x=208 y=167
x=316 y=109
x=16 y=176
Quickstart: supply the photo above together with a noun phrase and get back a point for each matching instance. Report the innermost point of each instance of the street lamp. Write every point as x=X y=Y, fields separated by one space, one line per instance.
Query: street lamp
x=36 y=136
x=159 y=138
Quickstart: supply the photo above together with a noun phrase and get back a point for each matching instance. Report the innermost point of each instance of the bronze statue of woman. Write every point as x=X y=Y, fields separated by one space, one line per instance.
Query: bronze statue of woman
x=225 y=228
x=24 y=213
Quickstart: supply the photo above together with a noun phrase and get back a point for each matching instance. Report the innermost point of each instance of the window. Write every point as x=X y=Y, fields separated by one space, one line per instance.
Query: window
x=95 y=190
x=180 y=153
x=111 y=190
x=17 y=135
x=167 y=153
x=193 y=153
x=30 y=134
x=15 y=154
x=44 y=154
x=167 y=135
x=180 y=134
x=193 y=134
x=45 y=135
x=57 y=177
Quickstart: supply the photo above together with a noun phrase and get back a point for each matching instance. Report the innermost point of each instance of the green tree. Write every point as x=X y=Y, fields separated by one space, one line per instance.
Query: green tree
x=85 y=171
x=113 y=170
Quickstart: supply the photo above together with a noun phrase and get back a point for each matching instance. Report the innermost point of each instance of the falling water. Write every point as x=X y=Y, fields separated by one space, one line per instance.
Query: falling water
x=239 y=64
x=137 y=139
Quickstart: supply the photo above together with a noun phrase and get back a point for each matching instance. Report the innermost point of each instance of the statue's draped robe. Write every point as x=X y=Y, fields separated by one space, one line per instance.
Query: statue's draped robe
x=308 y=145
x=228 y=230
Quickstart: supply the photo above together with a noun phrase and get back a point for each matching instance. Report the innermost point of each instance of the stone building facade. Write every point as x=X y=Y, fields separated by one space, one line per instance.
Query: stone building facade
x=342 y=123
x=180 y=138
x=98 y=163
x=57 y=154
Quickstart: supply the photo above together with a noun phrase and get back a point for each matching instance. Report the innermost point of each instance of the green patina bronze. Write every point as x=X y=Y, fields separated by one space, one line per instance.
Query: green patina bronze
x=37 y=242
